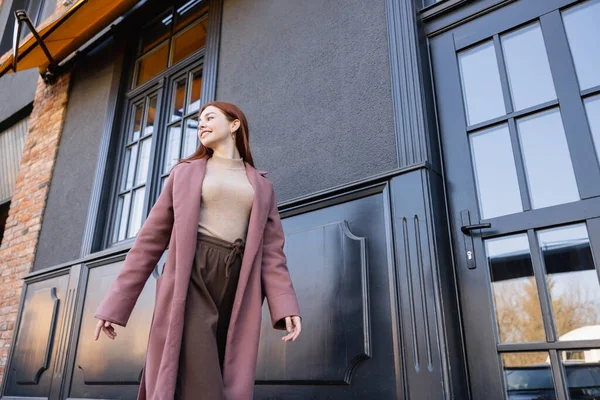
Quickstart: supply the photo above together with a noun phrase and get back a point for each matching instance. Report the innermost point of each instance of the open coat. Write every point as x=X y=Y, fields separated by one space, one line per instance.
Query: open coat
x=174 y=221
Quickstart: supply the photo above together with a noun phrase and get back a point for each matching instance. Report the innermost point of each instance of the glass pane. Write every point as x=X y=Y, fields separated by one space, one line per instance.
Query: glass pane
x=122 y=216
x=172 y=150
x=582 y=370
x=528 y=68
x=547 y=161
x=137 y=206
x=190 y=137
x=495 y=172
x=189 y=40
x=142 y=172
x=138 y=112
x=188 y=12
x=481 y=86
x=150 y=117
x=178 y=99
x=583 y=31
x=129 y=167
x=528 y=375
x=592 y=108
x=156 y=32
x=152 y=64
x=194 y=97
x=518 y=312
x=572 y=282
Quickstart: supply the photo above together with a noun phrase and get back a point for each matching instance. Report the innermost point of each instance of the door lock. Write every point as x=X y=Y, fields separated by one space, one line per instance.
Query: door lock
x=467 y=239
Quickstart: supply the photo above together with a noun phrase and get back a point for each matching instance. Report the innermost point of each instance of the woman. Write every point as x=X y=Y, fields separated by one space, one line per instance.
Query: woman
x=219 y=217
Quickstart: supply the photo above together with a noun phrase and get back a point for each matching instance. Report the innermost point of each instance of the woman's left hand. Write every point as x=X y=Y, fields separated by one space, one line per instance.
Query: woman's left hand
x=293 y=326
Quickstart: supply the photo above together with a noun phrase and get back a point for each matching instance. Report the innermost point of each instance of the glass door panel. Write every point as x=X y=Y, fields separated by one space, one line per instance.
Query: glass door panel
x=517 y=109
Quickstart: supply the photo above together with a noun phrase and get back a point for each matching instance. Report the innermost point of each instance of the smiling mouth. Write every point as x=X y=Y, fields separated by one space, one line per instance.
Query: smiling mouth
x=204 y=134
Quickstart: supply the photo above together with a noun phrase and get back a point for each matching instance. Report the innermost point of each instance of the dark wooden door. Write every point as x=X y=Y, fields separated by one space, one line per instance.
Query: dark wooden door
x=517 y=93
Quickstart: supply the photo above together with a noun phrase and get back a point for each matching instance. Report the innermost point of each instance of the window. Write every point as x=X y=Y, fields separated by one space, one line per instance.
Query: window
x=160 y=118
x=35 y=10
x=12 y=141
x=164 y=43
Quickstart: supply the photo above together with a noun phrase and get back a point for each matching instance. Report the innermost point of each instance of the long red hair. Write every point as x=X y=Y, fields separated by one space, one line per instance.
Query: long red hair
x=231 y=112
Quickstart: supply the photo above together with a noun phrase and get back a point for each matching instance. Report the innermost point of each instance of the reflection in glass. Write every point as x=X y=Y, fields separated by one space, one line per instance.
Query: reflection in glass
x=592 y=109
x=518 y=312
x=152 y=63
x=528 y=375
x=137 y=206
x=583 y=31
x=142 y=172
x=138 y=111
x=528 y=68
x=547 y=161
x=572 y=282
x=190 y=136
x=495 y=172
x=149 y=129
x=189 y=11
x=129 y=166
x=582 y=370
x=122 y=215
x=178 y=100
x=189 y=40
x=155 y=33
x=172 y=151
x=481 y=86
x=194 y=97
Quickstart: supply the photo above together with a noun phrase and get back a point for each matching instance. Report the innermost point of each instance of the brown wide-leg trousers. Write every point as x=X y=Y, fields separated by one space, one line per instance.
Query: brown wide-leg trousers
x=208 y=307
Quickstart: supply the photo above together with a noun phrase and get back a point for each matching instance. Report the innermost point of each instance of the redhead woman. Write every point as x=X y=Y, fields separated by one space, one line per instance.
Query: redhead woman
x=218 y=216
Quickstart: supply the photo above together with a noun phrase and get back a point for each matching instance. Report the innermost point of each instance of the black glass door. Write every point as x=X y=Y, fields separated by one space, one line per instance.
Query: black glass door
x=518 y=99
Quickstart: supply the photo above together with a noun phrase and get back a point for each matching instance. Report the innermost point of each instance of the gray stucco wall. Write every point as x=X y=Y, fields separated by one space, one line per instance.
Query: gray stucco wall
x=17 y=90
x=66 y=211
x=313 y=79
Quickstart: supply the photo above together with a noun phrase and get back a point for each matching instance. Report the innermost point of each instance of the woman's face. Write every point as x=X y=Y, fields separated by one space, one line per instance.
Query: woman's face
x=214 y=128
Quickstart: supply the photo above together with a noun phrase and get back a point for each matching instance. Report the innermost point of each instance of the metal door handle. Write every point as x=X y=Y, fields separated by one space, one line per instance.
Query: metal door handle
x=466 y=229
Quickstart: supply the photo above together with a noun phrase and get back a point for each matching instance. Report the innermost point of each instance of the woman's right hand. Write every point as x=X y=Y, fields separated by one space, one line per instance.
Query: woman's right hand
x=105 y=326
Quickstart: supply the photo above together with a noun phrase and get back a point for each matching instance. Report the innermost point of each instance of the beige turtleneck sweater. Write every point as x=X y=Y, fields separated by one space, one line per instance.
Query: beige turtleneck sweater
x=227 y=197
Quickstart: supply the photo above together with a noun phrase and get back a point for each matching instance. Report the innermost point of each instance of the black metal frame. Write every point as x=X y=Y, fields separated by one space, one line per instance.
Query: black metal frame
x=447 y=39
x=101 y=215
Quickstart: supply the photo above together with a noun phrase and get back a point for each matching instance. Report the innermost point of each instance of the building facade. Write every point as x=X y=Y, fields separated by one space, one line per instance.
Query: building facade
x=436 y=165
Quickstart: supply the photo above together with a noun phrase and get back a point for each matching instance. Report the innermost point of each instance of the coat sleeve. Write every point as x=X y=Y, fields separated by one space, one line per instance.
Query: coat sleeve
x=149 y=245
x=276 y=281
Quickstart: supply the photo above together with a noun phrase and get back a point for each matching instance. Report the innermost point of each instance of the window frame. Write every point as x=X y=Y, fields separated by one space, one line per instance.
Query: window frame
x=204 y=60
x=7 y=32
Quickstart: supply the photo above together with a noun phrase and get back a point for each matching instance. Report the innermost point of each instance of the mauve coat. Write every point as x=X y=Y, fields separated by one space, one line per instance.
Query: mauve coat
x=174 y=220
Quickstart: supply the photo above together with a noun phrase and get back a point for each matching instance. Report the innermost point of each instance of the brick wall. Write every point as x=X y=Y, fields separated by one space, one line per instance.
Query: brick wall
x=17 y=250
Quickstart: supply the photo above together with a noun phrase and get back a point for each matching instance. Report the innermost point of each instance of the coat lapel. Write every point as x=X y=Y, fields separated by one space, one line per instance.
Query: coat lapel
x=256 y=227
x=186 y=203
x=186 y=208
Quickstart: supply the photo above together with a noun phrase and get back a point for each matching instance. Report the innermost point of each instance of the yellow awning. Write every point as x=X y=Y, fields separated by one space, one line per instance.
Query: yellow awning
x=65 y=33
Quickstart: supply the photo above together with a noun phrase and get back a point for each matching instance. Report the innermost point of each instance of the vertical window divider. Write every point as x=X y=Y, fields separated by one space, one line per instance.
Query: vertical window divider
x=174 y=82
x=139 y=143
x=503 y=75
x=155 y=171
x=116 y=187
x=149 y=175
x=539 y=272
x=558 y=375
x=519 y=164
x=593 y=228
x=577 y=131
